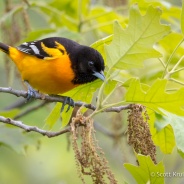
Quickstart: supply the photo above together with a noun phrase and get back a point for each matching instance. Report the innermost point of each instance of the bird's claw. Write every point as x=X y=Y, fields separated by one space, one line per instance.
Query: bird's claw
x=70 y=103
x=31 y=93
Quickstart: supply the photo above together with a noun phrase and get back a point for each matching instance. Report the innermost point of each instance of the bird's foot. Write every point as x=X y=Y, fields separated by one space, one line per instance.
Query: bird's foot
x=70 y=103
x=31 y=93
x=67 y=101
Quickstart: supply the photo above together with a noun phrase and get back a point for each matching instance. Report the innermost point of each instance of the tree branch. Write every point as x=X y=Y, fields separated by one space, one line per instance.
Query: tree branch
x=57 y=98
x=28 y=128
x=106 y=132
x=50 y=134
x=29 y=110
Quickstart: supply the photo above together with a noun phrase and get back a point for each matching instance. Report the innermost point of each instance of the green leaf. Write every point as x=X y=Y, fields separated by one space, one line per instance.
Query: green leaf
x=72 y=8
x=54 y=115
x=168 y=129
x=171 y=11
x=128 y=83
x=10 y=114
x=178 y=128
x=99 y=45
x=181 y=153
x=14 y=138
x=170 y=46
x=109 y=91
x=66 y=115
x=48 y=32
x=182 y=17
x=165 y=139
x=103 y=18
x=82 y=93
x=48 y=11
x=131 y=46
x=34 y=35
x=156 y=97
x=147 y=171
x=6 y=18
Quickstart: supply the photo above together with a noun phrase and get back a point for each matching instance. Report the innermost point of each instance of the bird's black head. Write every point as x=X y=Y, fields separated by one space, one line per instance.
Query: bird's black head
x=89 y=65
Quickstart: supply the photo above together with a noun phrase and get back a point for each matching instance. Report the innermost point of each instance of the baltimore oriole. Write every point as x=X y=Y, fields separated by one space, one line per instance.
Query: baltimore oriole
x=56 y=65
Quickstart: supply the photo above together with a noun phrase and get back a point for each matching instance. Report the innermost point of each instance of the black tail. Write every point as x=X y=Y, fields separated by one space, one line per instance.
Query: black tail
x=4 y=48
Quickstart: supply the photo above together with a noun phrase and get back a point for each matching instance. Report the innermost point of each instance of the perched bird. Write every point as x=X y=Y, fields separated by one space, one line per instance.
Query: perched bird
x=55 y=65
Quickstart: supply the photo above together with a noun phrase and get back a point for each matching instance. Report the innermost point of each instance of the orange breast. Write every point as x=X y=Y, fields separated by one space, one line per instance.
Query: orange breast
x=52 y=76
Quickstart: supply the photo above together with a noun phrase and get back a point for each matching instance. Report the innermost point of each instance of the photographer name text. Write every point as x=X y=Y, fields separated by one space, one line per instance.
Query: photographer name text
x=167 y=174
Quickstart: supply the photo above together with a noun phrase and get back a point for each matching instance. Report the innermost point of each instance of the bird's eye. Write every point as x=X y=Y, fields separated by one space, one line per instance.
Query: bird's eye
x=91 y=63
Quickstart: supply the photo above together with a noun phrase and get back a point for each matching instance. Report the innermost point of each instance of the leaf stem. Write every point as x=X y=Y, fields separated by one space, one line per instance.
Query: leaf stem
x=112 y=108
x=109 y=106
x=172 y=79
x=106 y=13
x=178 y=70
x=163 y=64
x=79 y=16
x=107 y=97
x=165 y=73
x=176 y=65
x=100 y=93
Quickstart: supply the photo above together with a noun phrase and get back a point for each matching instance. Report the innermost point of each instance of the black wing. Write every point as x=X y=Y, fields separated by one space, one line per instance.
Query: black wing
x=35 y=48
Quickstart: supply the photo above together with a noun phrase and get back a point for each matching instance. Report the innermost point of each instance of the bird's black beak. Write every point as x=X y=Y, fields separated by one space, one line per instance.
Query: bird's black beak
x=99 y=75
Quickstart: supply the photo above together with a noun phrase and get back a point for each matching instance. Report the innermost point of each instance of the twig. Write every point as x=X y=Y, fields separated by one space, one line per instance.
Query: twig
x=119 y=108
x=50 y=134
x=28 y=128
x=171 y=56
x=105 y=131
x=18 y=104
x=57 y=98
x=162 y=62
x=176 y=65
x=177 y=81
x=26 y=1
x=29 y=110
x=47 y=98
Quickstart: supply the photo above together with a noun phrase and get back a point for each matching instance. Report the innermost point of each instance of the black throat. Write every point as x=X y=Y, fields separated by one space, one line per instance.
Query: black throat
x=83 y=78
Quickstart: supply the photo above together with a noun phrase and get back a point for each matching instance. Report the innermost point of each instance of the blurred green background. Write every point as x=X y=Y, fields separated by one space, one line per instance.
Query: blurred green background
x=29 y=158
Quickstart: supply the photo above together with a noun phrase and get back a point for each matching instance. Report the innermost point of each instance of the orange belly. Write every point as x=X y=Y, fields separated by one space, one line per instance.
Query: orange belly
x=52 y=76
